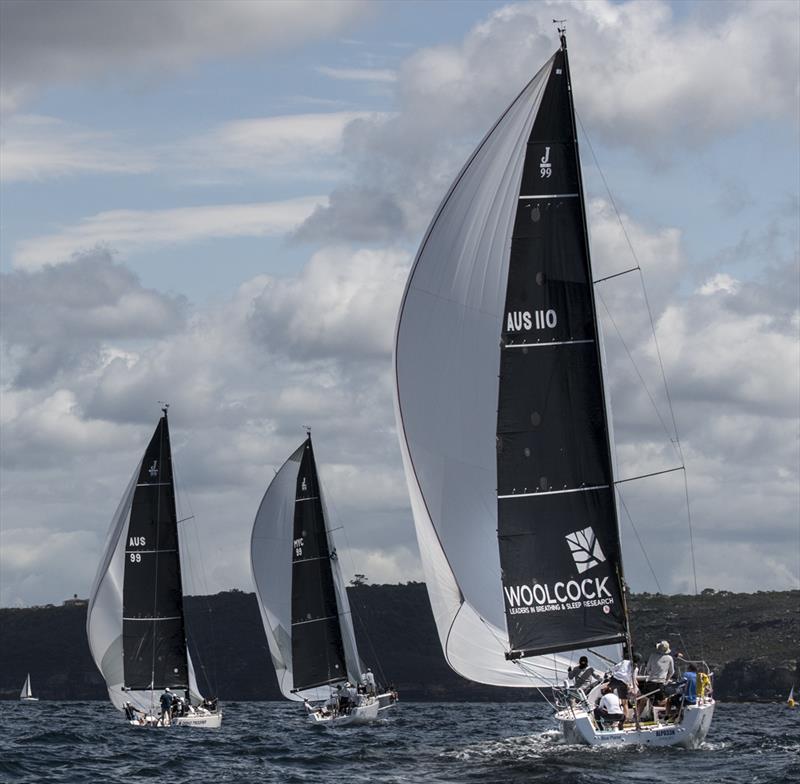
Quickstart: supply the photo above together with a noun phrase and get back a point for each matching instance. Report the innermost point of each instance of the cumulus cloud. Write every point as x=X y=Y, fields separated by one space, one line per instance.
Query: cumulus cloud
x=60 y=41
x=353 y=214
x=245 y=373
x=58 y=317
x=342 y=303
x=127 y=230
x=243 y=377
x=643 y=79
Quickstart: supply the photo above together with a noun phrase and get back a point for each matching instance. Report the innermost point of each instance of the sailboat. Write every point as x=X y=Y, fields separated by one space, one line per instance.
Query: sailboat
x=790 y=700
x=503 y=424
x=26 y=695
x=135 y=620
x=303 y=600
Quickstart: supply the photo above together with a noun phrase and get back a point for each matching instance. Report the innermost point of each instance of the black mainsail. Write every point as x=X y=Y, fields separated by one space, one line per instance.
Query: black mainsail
x=317 y=647
x=557 y=522
x=154 y=638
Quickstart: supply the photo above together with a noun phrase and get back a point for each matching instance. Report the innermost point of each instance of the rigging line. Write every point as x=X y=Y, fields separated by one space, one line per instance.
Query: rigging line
x=654 y=473
x=639 y=540
x=339 y=526
x=675 y=428
x=638 y=373
x=527 y=671
x=655 y=340
x=616 y=274
x=608 y=190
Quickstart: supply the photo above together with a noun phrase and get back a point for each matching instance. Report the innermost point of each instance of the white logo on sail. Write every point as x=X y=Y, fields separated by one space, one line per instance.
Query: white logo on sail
x=154 y=468
x=303 y=485
x=545 y=167
x=585 y=549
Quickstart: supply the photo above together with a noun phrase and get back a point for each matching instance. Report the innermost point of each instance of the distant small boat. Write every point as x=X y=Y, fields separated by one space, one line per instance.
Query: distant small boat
x=135 y=620
x=26 y=695
x=790 y=700
x=303 y=601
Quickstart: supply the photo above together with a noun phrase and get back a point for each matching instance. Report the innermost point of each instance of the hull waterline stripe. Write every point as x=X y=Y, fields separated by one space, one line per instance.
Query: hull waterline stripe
x=555 y=492
x=552 y=343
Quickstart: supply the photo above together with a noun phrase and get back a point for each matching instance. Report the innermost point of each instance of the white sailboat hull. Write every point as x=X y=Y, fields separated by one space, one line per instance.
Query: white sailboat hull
x=29 y=699
x=205 y=719
x=362 y=714
x=578 y=726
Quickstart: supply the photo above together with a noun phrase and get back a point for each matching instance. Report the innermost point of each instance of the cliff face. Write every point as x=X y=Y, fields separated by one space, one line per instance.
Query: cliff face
x=752 y=642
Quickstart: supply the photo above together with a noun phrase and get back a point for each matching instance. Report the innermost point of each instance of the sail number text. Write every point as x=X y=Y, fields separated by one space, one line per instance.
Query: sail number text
x=136 y=541
x=525 y=320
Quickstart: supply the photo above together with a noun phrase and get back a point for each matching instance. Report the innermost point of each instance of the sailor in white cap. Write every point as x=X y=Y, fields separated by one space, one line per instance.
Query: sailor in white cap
x=659 y=669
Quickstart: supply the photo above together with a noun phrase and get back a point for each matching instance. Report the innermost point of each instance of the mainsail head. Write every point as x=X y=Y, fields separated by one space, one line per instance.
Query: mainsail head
x=299 y=585
x=499 y=406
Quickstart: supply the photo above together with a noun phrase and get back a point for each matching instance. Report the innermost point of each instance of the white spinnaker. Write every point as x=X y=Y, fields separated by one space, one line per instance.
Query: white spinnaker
x=104 y=615
x=447 y=356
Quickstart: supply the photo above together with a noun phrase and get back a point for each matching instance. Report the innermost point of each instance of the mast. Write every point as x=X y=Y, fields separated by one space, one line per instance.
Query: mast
x=562 y=31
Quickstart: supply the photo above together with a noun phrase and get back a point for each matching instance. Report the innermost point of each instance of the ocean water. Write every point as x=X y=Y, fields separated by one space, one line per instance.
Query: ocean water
x=72 y=742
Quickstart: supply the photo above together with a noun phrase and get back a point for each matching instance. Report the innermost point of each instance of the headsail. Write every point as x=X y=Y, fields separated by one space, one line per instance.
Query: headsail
x=299 y=585
x=135 y=621
x=477 y=278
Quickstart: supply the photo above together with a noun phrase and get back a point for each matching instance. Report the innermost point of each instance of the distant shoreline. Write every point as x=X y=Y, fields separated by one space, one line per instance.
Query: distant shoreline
x=751 y=641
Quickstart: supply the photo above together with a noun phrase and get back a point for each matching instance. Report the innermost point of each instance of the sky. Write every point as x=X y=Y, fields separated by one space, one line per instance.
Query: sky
x=217 y=204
